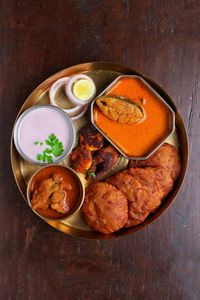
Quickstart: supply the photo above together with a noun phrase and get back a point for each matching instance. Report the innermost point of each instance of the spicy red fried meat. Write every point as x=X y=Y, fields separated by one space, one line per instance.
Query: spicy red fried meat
x=91 y=137
x=81 y=159
x=104 y=160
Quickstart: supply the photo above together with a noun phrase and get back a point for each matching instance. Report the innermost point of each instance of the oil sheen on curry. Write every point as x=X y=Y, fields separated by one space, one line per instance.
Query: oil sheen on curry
x=132 y=117
x=54 y=192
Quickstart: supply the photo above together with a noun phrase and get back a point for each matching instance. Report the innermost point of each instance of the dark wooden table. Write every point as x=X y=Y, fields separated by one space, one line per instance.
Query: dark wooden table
x=162 y=40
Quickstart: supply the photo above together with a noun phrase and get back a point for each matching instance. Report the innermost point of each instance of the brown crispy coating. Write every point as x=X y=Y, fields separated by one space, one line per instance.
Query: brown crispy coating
x=135 y=218
x=105 y=208
x=166 y=156
x=144 y=188
x=104 y=160
x=120 y=109
x=81 y=159
x=91 y=137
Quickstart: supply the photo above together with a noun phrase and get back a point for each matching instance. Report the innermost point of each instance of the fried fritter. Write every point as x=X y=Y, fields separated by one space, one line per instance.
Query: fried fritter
x=81 y=159
x=40 y=198
x=120 y=109
x=105 y=208
x=105 y=159
x=135 y=218
x=58 y=202
x=91 y=137
x=144 y=188
x=166 y=156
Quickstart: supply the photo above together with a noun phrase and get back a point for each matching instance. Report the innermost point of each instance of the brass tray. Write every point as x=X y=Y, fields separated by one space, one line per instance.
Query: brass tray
x=103 y=74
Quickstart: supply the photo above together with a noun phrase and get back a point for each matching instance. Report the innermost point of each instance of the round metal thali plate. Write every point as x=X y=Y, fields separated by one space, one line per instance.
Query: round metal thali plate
x=103 y=74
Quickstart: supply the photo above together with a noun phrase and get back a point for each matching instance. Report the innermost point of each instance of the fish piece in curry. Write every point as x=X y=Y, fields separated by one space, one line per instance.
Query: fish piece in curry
x=120 y=109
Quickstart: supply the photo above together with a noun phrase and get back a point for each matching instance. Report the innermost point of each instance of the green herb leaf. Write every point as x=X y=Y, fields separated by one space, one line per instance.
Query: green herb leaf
x=55 y=144
x=91 y=173
x=38 y=143
x=39 y=157
x=49 y=159
x=55 y=148
x=48 y=142
x=47 y=150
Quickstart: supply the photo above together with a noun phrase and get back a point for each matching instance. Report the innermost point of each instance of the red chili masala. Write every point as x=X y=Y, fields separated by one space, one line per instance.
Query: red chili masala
x=136 y=139
x=70 y=185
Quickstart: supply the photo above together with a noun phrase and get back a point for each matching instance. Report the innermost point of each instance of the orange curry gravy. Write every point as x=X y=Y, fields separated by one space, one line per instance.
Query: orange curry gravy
x=68 y=178
x=136 y=139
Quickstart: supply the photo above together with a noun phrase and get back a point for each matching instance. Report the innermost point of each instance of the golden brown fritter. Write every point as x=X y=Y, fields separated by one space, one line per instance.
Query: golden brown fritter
x=104 y=160
x=91 y=137
x=166 y=156
x=58 y=202
x=144 y=188
x=105 y=208
x=135 y=218
x=120 y=110
x=40 y=197
x=81 y=159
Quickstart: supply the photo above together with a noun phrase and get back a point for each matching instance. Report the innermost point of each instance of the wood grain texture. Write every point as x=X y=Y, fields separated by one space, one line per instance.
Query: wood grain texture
x=159 y=38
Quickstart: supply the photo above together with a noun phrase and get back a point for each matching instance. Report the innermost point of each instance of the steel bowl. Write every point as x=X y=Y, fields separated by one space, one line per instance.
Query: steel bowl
x=75 y=208
x=161 y=140
x=17 y=140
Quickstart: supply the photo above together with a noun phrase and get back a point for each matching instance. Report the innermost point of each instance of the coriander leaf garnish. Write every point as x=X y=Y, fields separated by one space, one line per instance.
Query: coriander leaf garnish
x=55 y=148
x=39 y=157
x=90 y=173
x=56 y=145
x=47 y=150
x=38 y=143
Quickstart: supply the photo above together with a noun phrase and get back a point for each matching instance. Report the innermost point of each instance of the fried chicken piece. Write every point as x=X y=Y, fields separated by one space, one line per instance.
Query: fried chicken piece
x=120 y=109
x=144 y=189
x=166 y=156
x=40 y=198
x=91 y=137
x=58 y=201
x=105 y=208
x=81 y=159
x=105 y=159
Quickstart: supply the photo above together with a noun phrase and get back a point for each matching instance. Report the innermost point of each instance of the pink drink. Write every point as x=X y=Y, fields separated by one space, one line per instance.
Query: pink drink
x=37 y=125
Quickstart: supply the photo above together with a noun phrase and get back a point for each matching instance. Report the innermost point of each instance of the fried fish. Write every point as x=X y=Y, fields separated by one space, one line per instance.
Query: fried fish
x=120 y=109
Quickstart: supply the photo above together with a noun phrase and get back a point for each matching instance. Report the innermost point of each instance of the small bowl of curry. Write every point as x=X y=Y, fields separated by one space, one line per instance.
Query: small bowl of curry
x=133 y=117
x=55 y=192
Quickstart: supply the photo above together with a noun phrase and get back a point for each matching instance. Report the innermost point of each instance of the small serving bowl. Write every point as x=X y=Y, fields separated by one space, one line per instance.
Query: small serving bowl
x=171 y=118
x=79 y=201
x=19 y=124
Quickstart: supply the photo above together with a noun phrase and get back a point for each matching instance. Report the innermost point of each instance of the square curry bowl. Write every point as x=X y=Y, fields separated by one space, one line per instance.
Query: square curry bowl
x=140 y=140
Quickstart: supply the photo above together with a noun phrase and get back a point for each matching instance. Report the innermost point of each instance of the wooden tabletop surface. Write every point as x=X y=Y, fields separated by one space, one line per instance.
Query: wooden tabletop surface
x=160 y=39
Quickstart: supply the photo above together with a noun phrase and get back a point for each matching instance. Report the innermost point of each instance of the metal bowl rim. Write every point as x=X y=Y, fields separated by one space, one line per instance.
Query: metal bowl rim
x=157 y=95
x=81 y=198
x=20 y=119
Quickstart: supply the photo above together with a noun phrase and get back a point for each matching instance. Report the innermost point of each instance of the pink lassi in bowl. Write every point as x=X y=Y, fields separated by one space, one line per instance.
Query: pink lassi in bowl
x=44 y=134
